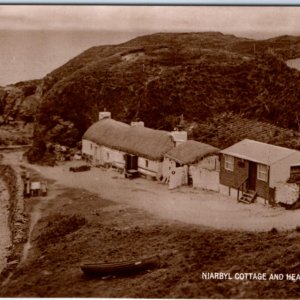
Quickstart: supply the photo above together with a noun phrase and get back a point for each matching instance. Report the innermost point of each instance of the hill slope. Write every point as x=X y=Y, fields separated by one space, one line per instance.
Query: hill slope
x=19 y=104
x=156 y=78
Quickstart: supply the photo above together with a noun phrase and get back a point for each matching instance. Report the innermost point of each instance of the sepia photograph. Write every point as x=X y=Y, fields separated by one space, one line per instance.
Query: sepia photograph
x=150 y=151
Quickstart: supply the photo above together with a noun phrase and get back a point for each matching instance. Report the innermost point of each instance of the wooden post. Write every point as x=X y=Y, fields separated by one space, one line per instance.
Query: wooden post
x=268 y=190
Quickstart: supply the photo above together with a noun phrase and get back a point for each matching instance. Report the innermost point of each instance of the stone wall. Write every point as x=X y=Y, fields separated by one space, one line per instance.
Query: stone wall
x=18 y=220
x=287 y=193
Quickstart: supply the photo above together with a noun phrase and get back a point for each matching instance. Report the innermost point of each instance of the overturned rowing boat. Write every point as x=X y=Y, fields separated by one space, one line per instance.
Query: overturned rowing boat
x=121 y=268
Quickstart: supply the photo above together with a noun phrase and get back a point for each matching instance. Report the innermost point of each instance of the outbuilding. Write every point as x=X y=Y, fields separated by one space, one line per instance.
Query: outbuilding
x=193 y=163
x=251 y=170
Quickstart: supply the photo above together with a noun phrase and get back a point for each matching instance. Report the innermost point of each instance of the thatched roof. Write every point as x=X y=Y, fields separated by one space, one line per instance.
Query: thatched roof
x=191 y=152
x=141 y=141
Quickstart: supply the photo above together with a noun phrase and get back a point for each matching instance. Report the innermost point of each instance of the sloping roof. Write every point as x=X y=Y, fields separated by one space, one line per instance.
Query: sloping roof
x=258 y=152
x=190 y=152
x=141 y=141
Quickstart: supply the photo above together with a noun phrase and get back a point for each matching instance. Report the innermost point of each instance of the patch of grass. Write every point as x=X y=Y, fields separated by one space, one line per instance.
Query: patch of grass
x=122 y=234
x=58 y=226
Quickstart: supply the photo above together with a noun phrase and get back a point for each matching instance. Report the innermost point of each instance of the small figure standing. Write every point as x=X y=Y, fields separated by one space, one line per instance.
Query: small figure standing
x=27 y=191
x=44 y=189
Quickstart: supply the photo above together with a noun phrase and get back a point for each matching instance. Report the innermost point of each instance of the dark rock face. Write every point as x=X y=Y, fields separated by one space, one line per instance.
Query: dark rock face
x=19 y=104
x=19 y=101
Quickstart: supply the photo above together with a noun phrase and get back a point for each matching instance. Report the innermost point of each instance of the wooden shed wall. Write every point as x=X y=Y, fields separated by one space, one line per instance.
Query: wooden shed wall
x=236 y=177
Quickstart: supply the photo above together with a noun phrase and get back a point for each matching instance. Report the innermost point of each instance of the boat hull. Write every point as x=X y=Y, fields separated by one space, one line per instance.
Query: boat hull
x=120 y=268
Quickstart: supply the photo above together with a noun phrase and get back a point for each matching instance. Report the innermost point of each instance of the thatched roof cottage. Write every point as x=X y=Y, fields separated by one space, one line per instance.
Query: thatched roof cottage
x=110 y=142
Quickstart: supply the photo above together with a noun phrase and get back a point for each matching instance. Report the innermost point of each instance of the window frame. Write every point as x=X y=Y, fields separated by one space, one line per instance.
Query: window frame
x=294 y=169
x=262 y=172
x=229 y=161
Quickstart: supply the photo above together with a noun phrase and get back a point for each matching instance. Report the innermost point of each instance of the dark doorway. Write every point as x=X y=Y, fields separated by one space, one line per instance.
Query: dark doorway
x=131 y=162
x=252 y=176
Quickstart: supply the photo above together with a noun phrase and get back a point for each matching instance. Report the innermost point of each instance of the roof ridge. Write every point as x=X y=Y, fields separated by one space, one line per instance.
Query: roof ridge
x=271 y=145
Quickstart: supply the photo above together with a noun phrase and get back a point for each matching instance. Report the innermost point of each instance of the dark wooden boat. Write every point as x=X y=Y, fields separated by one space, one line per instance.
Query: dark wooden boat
x=120 y=268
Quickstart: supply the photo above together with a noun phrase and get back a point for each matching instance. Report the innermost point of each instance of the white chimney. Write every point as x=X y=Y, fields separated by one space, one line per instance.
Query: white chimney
x=104 y=115
x=179 y=137
x=137 y=124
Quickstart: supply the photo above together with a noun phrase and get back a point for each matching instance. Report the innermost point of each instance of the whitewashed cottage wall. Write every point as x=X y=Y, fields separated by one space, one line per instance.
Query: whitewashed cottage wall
x=205 y=174
x=87 y=147
x=280 y=171
x=101 y=155
x=150 y=167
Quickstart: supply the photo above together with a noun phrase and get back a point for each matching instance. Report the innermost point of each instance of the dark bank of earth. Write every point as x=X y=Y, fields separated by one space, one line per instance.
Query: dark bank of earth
x=78 y=227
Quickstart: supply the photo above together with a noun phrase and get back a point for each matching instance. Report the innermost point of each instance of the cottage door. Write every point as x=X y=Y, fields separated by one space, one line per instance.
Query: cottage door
x=127 y=161
x=252 y=176
x=134 y=162
x=176 y=178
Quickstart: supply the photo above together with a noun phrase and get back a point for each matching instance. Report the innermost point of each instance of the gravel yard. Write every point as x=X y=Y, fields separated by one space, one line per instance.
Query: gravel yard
x=184 y=204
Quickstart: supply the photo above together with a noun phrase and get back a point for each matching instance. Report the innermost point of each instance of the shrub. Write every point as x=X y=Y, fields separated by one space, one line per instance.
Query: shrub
x=274 y=231
x=37 y=151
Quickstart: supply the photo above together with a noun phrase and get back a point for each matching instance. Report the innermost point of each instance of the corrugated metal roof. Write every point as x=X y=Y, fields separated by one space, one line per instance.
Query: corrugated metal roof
x=190 y=152
x=141 y=141
x=258 y=152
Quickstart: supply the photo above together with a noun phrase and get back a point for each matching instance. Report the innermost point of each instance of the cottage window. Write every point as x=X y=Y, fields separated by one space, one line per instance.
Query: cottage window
x=262 y=172
x=295 y=173
x=295 y=170
x=147 y=163
x=229 y=163
x=91 y=146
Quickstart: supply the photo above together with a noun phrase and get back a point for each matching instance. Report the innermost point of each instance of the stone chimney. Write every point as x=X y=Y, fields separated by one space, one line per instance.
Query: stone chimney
x=104 y=114
x=137 y=124
x=179 y=137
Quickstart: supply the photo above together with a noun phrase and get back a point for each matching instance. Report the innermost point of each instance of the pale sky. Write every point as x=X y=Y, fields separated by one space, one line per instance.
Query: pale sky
x=262 y=22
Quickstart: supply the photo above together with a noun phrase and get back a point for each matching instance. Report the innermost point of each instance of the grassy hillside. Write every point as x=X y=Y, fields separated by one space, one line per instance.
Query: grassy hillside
x=92 y=229
x=225 y=129
x=156 y=78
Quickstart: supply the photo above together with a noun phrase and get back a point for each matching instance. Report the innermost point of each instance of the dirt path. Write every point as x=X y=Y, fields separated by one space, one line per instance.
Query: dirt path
x=35 y=215
x=184 y=204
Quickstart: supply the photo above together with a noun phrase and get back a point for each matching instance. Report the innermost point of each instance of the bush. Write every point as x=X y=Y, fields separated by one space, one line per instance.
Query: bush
x=37 y=151
x=274 y=231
